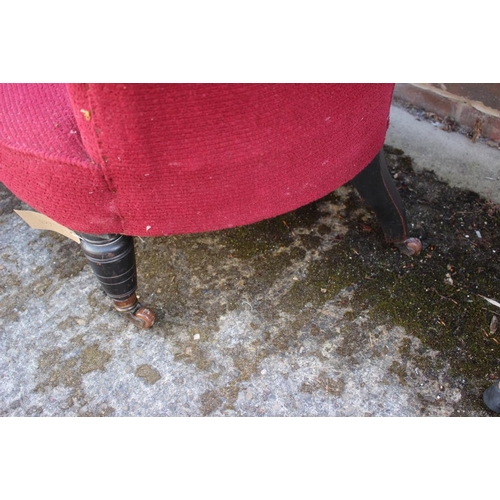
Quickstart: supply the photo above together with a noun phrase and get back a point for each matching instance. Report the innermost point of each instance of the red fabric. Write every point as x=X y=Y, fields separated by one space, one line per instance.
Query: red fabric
x=155 y=159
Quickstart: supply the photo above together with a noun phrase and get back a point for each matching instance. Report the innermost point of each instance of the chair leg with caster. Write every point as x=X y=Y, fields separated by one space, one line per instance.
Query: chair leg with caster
x=377 y=188
x=112 y=259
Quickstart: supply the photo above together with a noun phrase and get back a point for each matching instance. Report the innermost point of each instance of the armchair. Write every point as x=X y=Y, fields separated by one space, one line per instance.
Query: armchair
x=114 y=161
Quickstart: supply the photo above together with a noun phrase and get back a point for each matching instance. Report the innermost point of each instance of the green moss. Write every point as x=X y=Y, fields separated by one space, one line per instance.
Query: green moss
x=400 y=371
x=434 y=296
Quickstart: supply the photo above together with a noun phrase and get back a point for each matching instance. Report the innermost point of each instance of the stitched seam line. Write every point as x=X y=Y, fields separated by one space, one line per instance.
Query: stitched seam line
x=396 y=207
x=109 y=181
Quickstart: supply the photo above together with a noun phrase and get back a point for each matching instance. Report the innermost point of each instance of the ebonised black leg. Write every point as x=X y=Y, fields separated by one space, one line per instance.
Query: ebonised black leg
x=112 y=258
x=377 y=188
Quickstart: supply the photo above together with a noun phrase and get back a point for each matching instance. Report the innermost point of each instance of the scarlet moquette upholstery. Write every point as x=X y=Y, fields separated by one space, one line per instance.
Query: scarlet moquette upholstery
x=161 y=159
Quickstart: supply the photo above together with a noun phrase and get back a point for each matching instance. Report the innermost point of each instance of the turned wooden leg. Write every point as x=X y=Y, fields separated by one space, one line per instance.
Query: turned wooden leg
x=377 y=188
x=112 y=258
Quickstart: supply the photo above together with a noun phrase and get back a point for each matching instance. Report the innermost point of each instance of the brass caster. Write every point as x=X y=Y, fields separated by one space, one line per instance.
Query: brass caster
x=411 y=246
x=134 y=311
x=143 y=317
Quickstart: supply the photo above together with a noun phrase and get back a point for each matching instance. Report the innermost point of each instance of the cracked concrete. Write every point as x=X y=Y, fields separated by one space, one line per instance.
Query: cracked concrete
x=307 y=314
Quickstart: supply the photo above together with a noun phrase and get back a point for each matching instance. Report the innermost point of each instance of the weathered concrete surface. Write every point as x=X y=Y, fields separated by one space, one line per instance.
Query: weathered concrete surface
x=454 y=157
x=275 y=319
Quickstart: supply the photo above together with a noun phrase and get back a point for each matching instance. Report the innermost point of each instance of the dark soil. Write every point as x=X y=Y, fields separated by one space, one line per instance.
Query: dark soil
x=438 y=296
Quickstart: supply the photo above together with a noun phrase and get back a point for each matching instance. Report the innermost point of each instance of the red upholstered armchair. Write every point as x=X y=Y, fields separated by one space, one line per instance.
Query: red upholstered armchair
x=113 y=161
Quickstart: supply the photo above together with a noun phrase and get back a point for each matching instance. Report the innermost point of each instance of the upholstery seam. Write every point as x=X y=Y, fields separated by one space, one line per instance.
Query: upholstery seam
x=109 y=181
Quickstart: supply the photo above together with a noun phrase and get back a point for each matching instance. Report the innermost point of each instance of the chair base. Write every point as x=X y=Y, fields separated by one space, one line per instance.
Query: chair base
x=377 y=188
x=112 y=259
x=112 y=256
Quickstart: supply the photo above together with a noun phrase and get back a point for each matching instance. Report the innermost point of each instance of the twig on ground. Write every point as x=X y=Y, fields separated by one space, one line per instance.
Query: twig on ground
x=491 y=301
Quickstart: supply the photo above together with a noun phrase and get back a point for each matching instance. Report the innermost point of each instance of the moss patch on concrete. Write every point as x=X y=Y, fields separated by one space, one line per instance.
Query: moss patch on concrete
x=436 y=296
x=292 y=265
x=147 y=373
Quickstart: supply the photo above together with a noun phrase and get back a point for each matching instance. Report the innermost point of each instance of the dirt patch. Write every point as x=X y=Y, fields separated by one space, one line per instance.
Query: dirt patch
x=437 y=296
x=66 y=368
x=93 y=358
x=324 y=382
x=149 y=374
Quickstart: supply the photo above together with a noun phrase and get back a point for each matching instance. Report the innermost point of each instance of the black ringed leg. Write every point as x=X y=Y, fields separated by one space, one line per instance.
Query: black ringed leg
x=112 y=259
x=377 y=188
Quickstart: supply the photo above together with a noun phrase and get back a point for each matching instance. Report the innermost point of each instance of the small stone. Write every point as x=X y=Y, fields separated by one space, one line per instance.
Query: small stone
x=263 y=372
x=493 y=325
x=323 y=290
x=249 y=395
x=81 y=321
x=196 y=336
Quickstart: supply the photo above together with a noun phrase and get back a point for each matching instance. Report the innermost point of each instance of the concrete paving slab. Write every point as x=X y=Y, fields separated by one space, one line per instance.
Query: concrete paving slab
x=452 y=156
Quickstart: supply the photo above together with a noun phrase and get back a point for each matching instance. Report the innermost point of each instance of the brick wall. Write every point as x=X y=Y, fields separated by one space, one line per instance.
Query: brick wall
x=474 y=106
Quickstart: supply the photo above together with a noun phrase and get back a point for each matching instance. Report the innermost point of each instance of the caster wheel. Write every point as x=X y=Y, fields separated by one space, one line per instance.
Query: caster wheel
x=135 y=312
x=143 y=317
x=411 y=246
